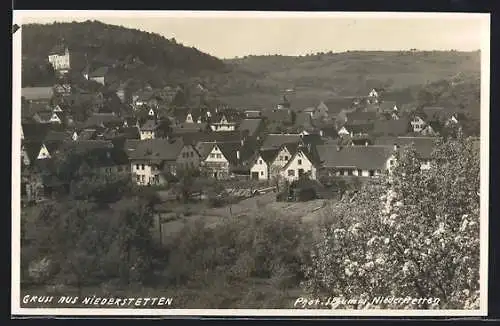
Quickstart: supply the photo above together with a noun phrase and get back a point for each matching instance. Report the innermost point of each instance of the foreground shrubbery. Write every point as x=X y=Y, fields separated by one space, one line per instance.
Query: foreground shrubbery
x=416 y=234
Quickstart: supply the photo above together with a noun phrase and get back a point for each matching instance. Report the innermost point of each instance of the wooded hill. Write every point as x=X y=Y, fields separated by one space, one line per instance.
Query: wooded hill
x=254 y=81
x=148 y=57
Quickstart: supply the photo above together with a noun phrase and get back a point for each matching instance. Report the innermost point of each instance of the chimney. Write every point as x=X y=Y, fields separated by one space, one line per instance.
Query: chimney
x=238 y=155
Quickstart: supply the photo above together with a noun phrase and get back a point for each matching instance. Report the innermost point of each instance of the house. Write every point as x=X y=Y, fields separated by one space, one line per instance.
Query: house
x=283 y=156
x=129 y=122
x=399 y=127
x=260 y=168
x=276 y=141
x=433 y=128
x=47 y=117
x=188 y=159
x=31 y=151
x=360 y=117
x=356 y=130
x=103 y=120
x=153 y=160
x=424 y=146
x=59 y=58
x=373 y=93
x=284 y=104
x=249 y=114
x=388 y=106
x=301 y=164
x=187 y=127
x=321 y=111
x=215 y=158
x=417 y=122
x=223 y=124
x=144 y=98
x=148 y=130
x=253 y=127
x=99 y=75
x=41 y=95
x=364 y=161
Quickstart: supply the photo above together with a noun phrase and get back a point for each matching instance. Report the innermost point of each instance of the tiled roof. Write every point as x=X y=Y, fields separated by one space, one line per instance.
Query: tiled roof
x=87 y=134
x=358 y=157
x=37 y=93
x=106 y=119
x=362 y=128
x=35 y=131
x=361 y=117
x=99 y=72
x=252 y=125
x=387 y=105
x=149 y=125
x=157 y=150
x=277 y=140
x=398 y=127
x=58 y=49
x=423 y=145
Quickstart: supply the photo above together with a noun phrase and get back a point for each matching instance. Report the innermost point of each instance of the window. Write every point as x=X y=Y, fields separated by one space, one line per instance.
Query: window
x=372 y=173
x=260 y=161
x=261 y=172
x=299 y=162
x=291 y=173
x=360 y=172
x=219 y=156
x=281 y=158
x=142 y=178
x=137 y=166
x=138 y=178
x=142 y=167
x=212 y=155
x=349 y=172
x=286 y=157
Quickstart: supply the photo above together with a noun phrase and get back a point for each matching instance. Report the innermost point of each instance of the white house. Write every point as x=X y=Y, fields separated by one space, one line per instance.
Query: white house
x=299 y=165
x=373 y=93
x=417 y=123
x=280 y=160
x=260 y=169
x=223 y=125
x=148 y=130
x=59 y=58
x=214 y=161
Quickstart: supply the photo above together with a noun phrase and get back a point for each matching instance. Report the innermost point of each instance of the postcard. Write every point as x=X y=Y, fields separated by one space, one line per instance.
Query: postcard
x=173 y=163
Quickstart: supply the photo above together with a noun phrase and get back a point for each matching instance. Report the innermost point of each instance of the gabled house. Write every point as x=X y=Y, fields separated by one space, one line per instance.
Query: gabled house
x=388 y=106
x=148 y=130
x=301 y=164
x=361 y=161
x=34 y=150
x=417 y=122
x=356 y=130
x=222 y=124
x=59 y=58
x=188 y=159
x=103 y=120
x=42 y=95
x=253 y=127
x=99 y=75
x=260 y=168
x=47 y=117
x=424 y=146
x=153 y=160
x=129 y=122
x=399 y=127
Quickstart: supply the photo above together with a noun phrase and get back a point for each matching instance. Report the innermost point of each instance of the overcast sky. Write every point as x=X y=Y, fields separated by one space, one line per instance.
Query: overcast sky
x=227 y=35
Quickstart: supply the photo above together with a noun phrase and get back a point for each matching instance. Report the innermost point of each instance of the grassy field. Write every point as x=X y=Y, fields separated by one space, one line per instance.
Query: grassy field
x=259 y=81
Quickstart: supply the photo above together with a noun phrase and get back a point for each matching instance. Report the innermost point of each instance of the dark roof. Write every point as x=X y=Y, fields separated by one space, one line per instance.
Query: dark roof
x=157 y=150
x=303 y=119
x=87 y=145
x=398 y=127
x=277 y=140
x=58 y=49
x=423 y=145
x=99 y=72
x=188 y=126
x=192 y=138
x=35 y=131
x=87 y=134
x=277 y=115
x=130 y=132
x=37 y=93
x=335 y=105
x=103 y=119
x=251 y=125
x=433 y=113
x=387 y=105
x=358 y=157
x=253 y=113
x=361 y=128
x=54 y=136
x=149 y=125
x=269 y=155
x=361 y=117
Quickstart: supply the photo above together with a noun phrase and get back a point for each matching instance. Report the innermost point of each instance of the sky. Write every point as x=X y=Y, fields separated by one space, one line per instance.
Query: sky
x=229 y=35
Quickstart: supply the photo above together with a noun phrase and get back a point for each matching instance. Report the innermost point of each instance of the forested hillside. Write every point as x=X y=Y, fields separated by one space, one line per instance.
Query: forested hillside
x=148 y=57
x=326 y=75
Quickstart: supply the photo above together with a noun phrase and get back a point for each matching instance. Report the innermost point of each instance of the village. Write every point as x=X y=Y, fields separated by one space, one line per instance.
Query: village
x=293 y=151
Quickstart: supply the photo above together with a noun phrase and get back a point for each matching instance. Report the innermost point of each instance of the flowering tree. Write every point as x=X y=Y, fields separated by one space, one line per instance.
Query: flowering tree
x=415 y=233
